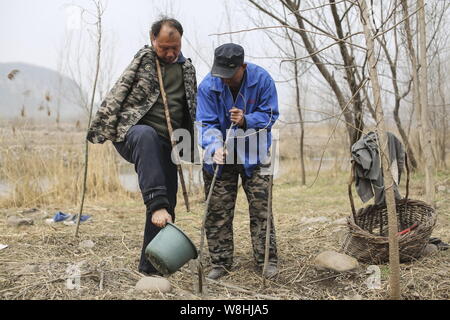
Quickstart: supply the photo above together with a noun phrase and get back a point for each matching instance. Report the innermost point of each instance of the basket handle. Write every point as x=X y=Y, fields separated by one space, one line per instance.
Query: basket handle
x=407 y=176
x=350 y=196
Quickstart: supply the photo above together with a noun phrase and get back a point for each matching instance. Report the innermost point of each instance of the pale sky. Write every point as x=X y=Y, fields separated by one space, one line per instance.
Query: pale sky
x=33 y=31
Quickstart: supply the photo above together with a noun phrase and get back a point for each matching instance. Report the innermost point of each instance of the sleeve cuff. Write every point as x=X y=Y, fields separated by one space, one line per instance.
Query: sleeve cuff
x=94 y=137
x=248 y=122
x=157 y=203
x=244 y=125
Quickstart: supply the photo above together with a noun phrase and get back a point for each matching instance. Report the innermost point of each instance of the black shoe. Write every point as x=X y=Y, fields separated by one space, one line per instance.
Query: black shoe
x=216 y=273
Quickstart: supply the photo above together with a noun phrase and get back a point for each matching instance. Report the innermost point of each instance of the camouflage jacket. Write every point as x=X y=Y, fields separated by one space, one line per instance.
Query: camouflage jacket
x=133 y=96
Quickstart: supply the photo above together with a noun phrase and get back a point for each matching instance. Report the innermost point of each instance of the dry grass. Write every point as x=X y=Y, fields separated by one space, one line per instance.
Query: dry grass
x=45 y=166
x=118 y=221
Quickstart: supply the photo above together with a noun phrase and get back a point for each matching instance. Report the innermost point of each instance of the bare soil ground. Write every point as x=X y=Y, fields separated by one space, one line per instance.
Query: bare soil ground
x=35 y=263
x=109 y=268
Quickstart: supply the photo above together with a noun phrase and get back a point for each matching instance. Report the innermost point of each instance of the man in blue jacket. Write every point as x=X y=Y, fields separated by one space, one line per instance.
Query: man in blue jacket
x=241 y=97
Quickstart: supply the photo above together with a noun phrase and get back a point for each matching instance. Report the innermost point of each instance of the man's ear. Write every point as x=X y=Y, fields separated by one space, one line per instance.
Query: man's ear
x=152 y=39
x=244 y=65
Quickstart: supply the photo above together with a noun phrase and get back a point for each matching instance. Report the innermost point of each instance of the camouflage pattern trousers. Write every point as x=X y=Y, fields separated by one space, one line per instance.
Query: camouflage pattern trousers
x=219 y=221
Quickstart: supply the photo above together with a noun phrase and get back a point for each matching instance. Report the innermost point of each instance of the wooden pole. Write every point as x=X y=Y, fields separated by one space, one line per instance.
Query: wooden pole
x=394 y=263
x=100 y=11
x=208 y=199
x=269 y=217
x=169 y=127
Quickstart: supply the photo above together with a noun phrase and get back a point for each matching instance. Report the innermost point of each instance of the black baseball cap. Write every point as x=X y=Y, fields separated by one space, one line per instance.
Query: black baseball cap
x=227 y=59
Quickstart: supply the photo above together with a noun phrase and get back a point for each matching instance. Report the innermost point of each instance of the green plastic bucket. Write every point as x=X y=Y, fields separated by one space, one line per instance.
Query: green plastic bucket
x=170 y=249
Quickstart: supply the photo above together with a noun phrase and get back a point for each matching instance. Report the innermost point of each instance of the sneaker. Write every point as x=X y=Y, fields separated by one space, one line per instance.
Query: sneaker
x=216 y=273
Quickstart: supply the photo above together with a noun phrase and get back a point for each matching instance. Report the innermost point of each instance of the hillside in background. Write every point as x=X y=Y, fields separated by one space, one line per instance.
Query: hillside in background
x=37 y=92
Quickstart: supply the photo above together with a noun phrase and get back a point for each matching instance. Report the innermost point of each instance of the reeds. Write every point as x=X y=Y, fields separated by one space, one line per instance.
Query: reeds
x=44 y=167
x=42 y=163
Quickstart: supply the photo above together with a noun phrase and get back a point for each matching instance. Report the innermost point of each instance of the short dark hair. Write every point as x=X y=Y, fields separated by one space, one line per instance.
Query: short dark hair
x=156 y=26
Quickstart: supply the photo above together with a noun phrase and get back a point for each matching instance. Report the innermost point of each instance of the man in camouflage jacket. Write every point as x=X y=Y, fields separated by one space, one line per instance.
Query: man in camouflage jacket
x=132 y=117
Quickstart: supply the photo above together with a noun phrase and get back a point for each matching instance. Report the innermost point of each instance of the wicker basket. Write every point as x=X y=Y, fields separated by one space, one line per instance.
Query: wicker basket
x=367 y=239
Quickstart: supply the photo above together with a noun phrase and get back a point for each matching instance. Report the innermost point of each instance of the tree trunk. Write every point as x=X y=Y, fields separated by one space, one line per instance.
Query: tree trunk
x=293 y=7
x=444 y=121
x=415 y=76
x=426 y=134
x=394 y=264
x=302 y=125
x=299 y=110
x=411 y=157
x=398 y=99
x=350 y=71
x=328 y=77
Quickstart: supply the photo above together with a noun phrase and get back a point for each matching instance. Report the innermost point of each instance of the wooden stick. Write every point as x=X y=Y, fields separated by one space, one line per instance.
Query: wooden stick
x=100 y=12
x=169 y=127
x=208 y=199
x=269 y=218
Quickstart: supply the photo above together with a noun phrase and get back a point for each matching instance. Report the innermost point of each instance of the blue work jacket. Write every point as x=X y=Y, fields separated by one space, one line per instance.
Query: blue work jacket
x=257 y=97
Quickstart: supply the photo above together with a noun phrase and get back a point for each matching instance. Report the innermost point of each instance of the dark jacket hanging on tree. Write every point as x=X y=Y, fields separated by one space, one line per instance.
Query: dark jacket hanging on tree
x=368 y=172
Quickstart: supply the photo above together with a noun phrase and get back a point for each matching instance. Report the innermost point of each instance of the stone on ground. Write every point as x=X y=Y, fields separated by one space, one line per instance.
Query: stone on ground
x=16 y=221
x=429 y=249
x=87 y=244
x=154 y=284
x=332 y=260
x=35 y=214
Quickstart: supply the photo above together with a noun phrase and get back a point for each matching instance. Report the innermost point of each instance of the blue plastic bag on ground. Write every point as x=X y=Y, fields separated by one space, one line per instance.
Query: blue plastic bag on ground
x=61 y=216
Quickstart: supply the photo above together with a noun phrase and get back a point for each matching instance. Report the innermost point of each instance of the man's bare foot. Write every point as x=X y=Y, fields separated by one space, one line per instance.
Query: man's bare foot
x=161 y=217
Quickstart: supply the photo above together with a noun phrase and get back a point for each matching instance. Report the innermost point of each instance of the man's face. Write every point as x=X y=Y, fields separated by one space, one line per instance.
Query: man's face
x=167 y=44
x=235 y=81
